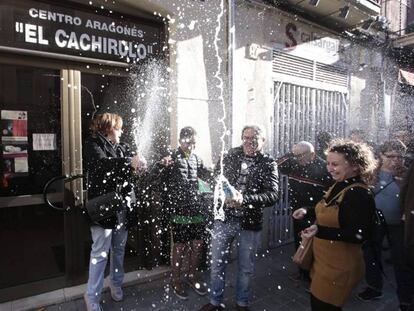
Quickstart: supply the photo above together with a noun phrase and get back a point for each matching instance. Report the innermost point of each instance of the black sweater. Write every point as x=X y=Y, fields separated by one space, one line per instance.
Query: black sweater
x=356 y=214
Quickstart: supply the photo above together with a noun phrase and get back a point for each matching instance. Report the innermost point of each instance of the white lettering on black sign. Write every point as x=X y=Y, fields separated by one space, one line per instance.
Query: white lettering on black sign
x=80 y=33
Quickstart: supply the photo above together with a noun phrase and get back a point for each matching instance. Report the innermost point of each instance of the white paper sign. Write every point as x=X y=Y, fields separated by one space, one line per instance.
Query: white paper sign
x=44 y=142
x=20 y=165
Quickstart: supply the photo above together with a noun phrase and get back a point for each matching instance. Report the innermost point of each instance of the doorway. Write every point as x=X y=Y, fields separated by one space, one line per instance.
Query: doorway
x=31 y=234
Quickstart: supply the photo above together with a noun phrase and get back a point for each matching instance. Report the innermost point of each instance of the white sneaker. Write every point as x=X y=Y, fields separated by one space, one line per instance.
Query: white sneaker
x=117 y=293
x=91 y=306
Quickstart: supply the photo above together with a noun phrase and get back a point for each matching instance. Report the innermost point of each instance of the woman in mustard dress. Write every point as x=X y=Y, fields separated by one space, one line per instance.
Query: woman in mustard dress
x=344 y=219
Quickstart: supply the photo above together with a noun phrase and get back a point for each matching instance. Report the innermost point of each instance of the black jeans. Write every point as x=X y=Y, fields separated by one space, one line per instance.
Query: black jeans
x=403 y=275
x=319 y=305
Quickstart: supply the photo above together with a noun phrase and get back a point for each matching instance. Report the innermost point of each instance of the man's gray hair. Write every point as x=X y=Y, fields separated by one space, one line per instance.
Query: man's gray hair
x=306 y=146
x=256 y=128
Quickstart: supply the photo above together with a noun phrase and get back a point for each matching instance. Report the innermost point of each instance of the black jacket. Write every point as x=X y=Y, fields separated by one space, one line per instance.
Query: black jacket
x=180 y=184
x=262 y=187
x=307 y=183
x=107 y=166
x=407 y=204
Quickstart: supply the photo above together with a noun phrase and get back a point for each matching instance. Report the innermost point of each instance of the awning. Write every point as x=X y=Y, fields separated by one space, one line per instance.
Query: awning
x=406 y=77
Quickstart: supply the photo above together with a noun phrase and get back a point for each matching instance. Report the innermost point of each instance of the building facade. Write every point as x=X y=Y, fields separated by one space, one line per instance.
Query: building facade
x=217 y=65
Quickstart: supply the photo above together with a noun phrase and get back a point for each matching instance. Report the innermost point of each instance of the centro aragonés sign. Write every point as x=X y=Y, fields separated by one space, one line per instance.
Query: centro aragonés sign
x=40 y=26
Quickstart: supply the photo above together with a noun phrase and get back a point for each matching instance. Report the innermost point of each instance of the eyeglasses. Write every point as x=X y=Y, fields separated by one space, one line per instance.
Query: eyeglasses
x=393 y=156
x=301 y=155
x=250 y=138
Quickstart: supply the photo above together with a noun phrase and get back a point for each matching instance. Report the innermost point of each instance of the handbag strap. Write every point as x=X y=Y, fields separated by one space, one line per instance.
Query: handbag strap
x=340 y=195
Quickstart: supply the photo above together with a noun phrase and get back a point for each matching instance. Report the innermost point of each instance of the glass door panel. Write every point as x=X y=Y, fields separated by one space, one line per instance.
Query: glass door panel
x=31 y=234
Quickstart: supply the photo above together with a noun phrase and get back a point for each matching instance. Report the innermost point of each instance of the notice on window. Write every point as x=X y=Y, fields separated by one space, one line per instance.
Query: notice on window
x=14 y=159
x=20 y=165
x=13 y=126
x=44 y=142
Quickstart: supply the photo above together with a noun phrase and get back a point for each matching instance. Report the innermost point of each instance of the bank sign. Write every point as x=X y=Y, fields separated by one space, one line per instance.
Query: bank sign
x=44 y=27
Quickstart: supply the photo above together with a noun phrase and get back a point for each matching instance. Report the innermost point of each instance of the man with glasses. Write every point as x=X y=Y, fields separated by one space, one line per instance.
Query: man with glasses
x=387 y=199
x=254 y=176
x=308 y=178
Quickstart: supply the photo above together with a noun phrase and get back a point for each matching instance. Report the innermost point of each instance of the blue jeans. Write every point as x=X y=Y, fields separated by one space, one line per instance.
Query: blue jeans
x=103 y=241
x=223 y=234
x=403 y=275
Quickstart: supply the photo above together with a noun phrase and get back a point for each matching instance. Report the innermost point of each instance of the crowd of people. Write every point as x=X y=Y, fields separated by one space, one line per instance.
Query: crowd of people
x=334 y=197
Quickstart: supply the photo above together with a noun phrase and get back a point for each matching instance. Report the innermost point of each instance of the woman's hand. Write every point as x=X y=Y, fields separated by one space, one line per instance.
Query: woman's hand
x=309 y=232
x=299 y=213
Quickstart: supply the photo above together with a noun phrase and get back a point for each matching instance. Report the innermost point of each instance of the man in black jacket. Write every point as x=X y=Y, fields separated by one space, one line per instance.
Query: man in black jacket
x=253 y=178
x=308 y=179
x=180 y=172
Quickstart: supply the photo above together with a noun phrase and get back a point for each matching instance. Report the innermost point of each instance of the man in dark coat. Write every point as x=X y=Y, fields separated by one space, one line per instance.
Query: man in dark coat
x=251 y=183
x=407 y=204
x=180 y=173
x=308 y=179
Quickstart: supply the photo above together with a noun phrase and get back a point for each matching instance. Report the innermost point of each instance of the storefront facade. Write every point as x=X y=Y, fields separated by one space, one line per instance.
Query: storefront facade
x=162 y=65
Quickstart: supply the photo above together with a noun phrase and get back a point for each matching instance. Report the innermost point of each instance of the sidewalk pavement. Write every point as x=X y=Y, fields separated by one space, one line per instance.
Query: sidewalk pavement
x=272 y=290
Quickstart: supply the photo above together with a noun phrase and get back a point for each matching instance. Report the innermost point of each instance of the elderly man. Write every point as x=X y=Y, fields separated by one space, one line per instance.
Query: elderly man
x=254 y=176
x=308 y=178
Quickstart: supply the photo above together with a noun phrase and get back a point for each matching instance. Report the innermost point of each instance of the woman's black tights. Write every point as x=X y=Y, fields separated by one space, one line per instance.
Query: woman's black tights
x=319 y=305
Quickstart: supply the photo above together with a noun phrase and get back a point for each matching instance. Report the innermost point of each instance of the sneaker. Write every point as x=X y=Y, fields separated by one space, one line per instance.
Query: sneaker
x=242 y=308
x=116 y=293
x=369 y=294
x=180 y=292
x=199 y=287
x=211 y=307
x=90 y=306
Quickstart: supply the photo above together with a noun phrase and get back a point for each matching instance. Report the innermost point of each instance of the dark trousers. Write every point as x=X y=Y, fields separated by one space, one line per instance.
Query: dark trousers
x=403 y=275
x=319 y=305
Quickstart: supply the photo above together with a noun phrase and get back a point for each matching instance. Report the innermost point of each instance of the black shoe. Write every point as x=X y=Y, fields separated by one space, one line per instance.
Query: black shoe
x=199 y=287
x=179 y=291
x=242 y=308
x=369 y=294
x=211 y=307
x=405 y=307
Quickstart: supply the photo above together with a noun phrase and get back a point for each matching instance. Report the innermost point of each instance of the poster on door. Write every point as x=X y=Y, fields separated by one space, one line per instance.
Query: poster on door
x=13 y=126
x=14 y=144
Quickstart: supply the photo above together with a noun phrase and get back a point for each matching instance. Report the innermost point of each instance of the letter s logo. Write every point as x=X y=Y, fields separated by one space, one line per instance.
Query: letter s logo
x=290 y=28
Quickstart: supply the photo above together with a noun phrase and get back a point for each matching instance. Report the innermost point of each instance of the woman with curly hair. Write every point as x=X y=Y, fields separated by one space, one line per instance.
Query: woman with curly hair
x=344 y=219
